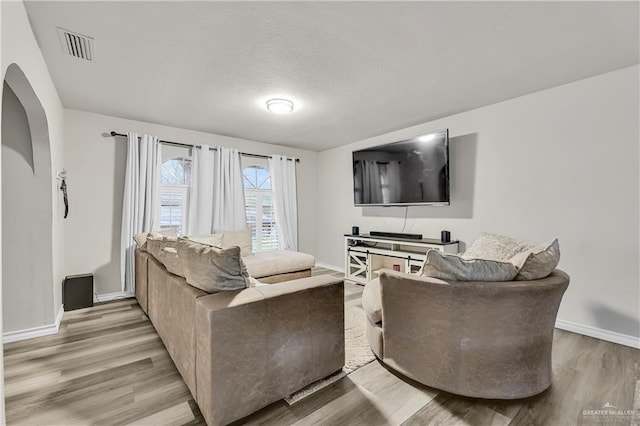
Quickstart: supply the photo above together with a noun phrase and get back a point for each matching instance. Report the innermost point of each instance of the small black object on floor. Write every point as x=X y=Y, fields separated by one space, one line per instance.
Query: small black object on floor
x=77 y=292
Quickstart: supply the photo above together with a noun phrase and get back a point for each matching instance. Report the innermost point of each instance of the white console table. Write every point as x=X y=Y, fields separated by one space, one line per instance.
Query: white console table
x=366 y=255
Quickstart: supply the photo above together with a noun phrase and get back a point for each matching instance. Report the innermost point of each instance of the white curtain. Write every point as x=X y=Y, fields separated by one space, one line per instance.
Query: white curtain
x=200 y=219
x=229 y=212
x=285 y=200
x=217 y=194
x=141 y=186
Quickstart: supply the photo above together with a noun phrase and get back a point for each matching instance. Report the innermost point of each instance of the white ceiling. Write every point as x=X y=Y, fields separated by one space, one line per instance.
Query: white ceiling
x=354 y=70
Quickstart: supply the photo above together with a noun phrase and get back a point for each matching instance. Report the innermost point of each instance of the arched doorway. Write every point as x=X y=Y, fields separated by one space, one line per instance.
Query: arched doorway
x=27 y=221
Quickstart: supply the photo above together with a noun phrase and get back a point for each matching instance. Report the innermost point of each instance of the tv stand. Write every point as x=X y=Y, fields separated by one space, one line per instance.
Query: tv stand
x=365 y=255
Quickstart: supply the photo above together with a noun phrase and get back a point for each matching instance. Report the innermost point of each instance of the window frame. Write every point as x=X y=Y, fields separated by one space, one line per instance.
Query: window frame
x=183 y=190
x=258 y=241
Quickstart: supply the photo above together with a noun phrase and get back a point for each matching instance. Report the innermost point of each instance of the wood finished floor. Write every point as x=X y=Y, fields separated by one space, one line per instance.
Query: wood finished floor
x=108 y=366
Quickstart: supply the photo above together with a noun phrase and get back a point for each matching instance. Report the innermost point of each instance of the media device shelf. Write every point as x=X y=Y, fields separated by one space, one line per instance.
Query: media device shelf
x=366 y=255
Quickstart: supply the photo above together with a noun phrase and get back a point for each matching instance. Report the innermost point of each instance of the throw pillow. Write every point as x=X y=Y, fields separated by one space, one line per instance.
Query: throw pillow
x=495 y=247
x=241 y=238
x=215 y=240
x=537 y=262
x=156 y=242
x=455 y=268
x=141 y=238
x=168 y=256
x=212 y=269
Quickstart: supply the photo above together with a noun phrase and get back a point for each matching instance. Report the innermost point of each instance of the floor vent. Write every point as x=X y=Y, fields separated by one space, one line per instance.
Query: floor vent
x=77 y=45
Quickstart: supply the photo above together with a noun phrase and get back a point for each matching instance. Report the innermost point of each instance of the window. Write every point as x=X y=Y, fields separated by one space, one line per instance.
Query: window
x=258 y=200
x=175 y=180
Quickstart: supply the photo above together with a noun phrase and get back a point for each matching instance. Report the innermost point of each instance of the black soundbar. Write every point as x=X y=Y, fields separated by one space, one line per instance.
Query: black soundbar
x=395 y=235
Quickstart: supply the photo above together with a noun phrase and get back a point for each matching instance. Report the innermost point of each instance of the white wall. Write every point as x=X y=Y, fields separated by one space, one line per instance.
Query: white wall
x=19 y=47
x=558 y=163
x=26 y=221
x=96 y=165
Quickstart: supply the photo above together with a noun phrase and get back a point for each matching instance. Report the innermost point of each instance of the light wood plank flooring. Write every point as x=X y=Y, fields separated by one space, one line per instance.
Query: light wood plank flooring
x=108 y=366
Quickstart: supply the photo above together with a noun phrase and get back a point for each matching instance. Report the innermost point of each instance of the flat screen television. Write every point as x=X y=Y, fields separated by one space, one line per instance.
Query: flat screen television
x=409 y=172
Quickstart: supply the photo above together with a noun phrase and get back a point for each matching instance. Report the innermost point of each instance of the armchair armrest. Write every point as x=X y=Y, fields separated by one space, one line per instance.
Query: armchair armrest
x=255 y=346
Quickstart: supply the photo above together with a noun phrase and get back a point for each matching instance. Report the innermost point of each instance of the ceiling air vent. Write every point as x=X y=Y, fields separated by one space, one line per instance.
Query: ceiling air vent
x=77 y=45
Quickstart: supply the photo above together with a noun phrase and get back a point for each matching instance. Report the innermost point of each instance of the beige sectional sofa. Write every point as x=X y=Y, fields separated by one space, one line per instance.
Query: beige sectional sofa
x=241 y=350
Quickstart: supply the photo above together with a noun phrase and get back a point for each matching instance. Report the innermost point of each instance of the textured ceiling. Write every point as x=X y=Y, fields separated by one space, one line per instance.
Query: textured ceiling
x=354 y=70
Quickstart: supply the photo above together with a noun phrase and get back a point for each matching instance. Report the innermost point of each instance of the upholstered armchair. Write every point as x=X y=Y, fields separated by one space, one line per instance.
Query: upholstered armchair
x=478 y=339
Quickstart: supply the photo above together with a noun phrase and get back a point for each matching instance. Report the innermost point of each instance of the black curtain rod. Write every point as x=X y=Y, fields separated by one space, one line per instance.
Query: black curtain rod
x=246 y=154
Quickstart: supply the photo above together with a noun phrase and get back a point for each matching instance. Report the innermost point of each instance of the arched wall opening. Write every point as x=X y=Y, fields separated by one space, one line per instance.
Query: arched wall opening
x=27 y=221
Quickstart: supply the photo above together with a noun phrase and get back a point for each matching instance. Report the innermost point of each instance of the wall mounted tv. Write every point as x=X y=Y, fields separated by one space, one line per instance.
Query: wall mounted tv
x=409 y=172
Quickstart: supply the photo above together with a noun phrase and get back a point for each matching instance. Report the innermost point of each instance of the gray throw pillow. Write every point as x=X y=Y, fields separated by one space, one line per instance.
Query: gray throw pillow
x=215 y=240
x=156 y=243
x=141 y=238
x=169 y=258
x=212 y=269
x=455 y=268
x=537 y=262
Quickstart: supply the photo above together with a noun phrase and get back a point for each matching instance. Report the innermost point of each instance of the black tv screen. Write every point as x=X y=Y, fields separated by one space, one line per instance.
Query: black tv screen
x=410 y=172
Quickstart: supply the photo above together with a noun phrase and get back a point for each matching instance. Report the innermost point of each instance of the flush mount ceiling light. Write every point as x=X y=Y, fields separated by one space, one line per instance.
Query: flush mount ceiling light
x=280 y=106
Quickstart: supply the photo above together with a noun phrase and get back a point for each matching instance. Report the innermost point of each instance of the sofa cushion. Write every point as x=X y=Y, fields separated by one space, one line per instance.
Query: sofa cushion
x=267 y=263
x=168 y=256
x=241 y=238
x=455 y=268
x=495 y=247
x=537 y=262
x=372 y=302
x=212 y=269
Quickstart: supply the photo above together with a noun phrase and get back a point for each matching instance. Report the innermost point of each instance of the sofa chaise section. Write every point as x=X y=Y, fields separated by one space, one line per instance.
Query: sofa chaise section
x=280 y=265
x=260 y=344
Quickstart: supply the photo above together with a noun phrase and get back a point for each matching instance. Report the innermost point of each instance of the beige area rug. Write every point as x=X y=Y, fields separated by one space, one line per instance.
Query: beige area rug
x=356 y=347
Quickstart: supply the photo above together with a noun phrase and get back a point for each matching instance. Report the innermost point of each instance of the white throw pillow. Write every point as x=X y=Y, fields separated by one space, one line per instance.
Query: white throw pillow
x=455 y=268
x=495 y=247
x=212 y=269
x=537 y=262
x=241 y=238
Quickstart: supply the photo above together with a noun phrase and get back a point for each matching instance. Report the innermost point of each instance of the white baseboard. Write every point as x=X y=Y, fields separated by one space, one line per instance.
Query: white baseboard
x=43 y=330
x=598 y=333
x=98 y=298
x=332 y=267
